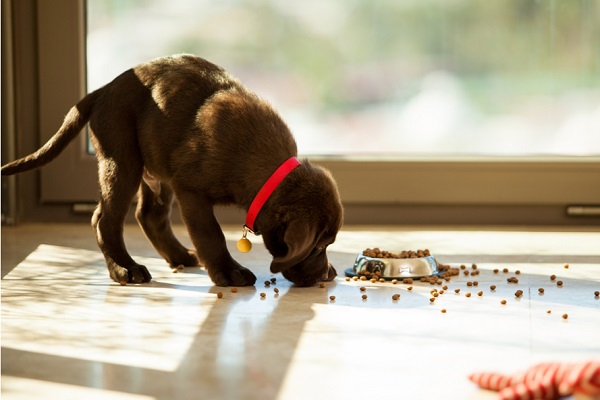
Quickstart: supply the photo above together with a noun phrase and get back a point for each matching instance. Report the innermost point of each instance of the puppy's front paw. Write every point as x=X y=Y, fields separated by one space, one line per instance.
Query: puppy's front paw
x=130 y=274
x=238 y=276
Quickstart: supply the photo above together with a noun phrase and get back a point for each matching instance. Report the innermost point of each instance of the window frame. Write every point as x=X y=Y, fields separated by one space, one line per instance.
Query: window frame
x=500 y=183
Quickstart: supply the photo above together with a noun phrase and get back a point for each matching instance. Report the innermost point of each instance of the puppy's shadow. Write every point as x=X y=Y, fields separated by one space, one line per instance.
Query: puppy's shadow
x=261 y=334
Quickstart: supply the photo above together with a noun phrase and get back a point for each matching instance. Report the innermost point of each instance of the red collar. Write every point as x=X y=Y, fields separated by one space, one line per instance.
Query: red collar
x=265 y=191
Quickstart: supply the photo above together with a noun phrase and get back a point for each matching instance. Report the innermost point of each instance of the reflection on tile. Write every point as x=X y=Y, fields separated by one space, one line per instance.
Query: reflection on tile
x=60 y=302
x=27 y=389
x=68 y=331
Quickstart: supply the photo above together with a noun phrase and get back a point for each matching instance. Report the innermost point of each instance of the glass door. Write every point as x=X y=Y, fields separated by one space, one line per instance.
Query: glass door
x=440 y=105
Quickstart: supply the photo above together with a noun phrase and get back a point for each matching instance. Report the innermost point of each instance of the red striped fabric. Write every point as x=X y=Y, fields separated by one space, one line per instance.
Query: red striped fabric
x=544 y=381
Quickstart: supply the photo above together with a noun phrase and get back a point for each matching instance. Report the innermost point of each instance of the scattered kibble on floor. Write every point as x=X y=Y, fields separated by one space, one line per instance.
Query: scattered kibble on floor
x=435 y=293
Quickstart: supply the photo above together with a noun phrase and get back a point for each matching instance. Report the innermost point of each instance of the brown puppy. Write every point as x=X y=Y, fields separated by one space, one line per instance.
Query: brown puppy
x=181 y=126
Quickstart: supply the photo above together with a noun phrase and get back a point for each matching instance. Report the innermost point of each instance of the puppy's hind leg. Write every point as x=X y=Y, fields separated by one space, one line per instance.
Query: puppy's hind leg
x=118 y=184
x=153 y=214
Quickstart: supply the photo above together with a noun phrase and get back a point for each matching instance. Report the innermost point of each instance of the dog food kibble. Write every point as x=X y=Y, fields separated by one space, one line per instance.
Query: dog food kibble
x=559 y=283
x=456 y=290
x=378 y=253
x=322 y=284
x=480 y=293
x=276 y=290
x=552 y=277
x=355 y=278
x=332 y=298
x=505 y=270
x=174 y=270
x=565 y=316
x=181 y=266
x=445 y=287
x=596 y=293
x=443 y=310
x=395 y=297
x=468 y=294
x=267 y=283
x=431 y=300
x=408 y=281
x=541 y=290
x=262 y=294
x=548 y=311
x=512 y=279
x=435 y=294
x=502 y=301
x=474 y=266
x=364 y=296
x=273 y=280
x=566 y=266
x=442 y=291
x=466 y=272
x=373 y=280
x=381 y=280
x=469 y=283
x=363 y=278
x=347 y=279
x=518 y=293
x=496 y=270
x=394 y=281
x=409 y=288
x=123 y=283
x=463 y=266
x=518 y=272
x=362 y=288
x=220 y=295
x=493 y=287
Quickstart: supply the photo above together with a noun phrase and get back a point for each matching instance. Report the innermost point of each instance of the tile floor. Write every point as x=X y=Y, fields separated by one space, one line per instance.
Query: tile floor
x=68 y=332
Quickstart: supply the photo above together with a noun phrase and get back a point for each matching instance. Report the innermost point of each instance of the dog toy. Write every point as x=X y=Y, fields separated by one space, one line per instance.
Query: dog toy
x=544 y=381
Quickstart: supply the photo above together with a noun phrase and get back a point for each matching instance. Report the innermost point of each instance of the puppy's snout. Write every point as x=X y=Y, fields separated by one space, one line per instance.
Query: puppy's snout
x=330 y=274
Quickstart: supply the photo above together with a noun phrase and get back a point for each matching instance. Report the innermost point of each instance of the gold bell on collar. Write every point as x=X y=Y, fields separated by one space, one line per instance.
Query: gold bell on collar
x=244 y=245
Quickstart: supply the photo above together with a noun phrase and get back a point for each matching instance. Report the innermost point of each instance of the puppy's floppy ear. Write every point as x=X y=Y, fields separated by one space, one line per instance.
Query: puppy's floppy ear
x=300 y=238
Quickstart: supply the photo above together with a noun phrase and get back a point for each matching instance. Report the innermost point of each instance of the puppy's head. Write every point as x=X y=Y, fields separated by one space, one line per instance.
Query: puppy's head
x=303 y=220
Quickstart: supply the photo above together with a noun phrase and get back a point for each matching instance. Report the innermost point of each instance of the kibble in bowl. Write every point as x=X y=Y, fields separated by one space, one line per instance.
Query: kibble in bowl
x=385 y=265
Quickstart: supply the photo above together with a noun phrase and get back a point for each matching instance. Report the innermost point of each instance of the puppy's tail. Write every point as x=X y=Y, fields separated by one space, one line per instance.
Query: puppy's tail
x=74 y=122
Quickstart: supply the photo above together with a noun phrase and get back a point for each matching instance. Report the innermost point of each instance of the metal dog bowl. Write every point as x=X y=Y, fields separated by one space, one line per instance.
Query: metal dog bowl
x=394 y=268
